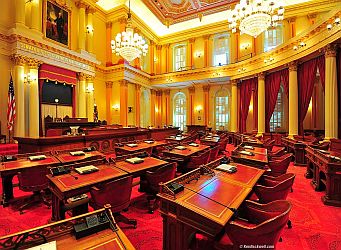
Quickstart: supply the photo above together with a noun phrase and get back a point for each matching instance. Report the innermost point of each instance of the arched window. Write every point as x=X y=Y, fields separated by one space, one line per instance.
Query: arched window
x=145 y=109
x=277 y=117
x=273 y=37
x=179 y=110
x=221 y=50
x=179 y=57
x=222 y=111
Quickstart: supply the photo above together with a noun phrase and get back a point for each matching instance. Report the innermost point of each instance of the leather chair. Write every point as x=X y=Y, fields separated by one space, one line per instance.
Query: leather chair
x=33 y=180
x=198 y=160
x=274 y=188
x=116 y=193
x=214 y=153
x=279 y=165
x=152 y=180
x=222 y=145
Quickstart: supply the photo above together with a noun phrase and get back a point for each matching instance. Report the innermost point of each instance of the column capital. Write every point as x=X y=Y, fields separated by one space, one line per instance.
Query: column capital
x=191 y=90
x=167 y=92
x=137 y=30
x=19 y=60
x=81 y=4
x=81 y=76
x=138 y=87
x=261 y=76
x=206 y=37
x=158 y=93
x=33 y=63
x=90 y=10
x=167 y=45
x=90 y=78
x=234 y=82
x=206 y=88
x=291 y=19
x=123 y=83
x=122 y=20
x=330 y=50
x=292 y=66
x=108 y=25
x=191 y=40
x=108 y=84
x=158 y=47
x=152 y=43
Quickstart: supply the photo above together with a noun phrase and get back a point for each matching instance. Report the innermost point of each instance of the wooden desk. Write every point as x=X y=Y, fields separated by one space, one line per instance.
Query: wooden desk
x=210 y=141
x=69 y=185
x=142 y=146
x=9 y=169
x=258 y=159
x=205 y=204
x=136 y=170
x=186 y=153
x=62 y=233
x=65 y=156
x=325 y=171
x=174 y=138
x=297 y=148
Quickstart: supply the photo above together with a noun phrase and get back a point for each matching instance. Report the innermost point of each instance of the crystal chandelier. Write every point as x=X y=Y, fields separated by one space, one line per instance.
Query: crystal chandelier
x=255 y=16
x=128 y=44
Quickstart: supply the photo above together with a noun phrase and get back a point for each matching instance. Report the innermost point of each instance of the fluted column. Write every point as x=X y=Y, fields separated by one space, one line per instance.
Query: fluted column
x=167 y=105
x=81 y=25
x=35 y=16
x=33 y=112
x=206 y=104
x=234 y=47
x=206 y=50
x=152 y=57
x=158 y=111
x=108 y=44
x=108 y=85
x=90 y=99
x=261 y=103
x=234 y=106
x=191 y=91
x=19 y=92
x=191 y=48
x=331 y=94
x=137 y=105
x=153 y=106
x=90 y=30
x=19 y=11
x=159 y=61
x=124 y=102
x=167 y=57
x=293 y=99
x=81 y=96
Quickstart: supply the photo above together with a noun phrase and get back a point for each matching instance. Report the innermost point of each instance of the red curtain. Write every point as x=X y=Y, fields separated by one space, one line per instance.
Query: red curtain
x=255 y=104
x=285 y=80
x=54 y=73
x=338 y=70
x=272 y=85
x=306 y=79
x=321 y=61
x=245 y=97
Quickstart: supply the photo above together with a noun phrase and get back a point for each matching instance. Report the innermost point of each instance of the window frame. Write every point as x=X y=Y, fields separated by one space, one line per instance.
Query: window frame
x=279 y=39
x=277 y=117
x=222 y=93
x=227 y=53
x=182 y=64
x=182 y=122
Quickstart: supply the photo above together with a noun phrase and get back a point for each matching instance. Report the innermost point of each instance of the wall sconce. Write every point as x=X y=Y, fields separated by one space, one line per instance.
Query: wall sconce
x=29 y=78
x=198 y=108
x=336 y=22
x=198 y=54
x=155 y=59
x=90 y=89
x=241 y=69
x=89 y=29
x=269 y=60
x=245 y=46
x=216 y=74
x=116 y=107
x=156 y=110
x=169 y=79
x=300 y=45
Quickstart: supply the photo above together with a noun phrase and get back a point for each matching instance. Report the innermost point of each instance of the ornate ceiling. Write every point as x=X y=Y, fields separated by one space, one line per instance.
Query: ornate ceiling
x=175 y=11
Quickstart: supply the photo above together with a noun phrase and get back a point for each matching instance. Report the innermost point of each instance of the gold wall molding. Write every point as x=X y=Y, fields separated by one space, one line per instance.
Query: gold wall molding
x=108 y=84
x=330 y=50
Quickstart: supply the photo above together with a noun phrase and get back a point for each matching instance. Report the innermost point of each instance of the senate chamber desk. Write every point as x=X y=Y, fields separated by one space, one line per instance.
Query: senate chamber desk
x=324 y=167
x=62 y=234
x=141 y=146
x=259 y=157
x=206 y=203
x=296 y=147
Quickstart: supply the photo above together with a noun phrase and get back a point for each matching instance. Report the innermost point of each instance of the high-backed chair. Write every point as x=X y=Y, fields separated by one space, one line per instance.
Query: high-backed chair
x=214 y=153
x=33 y=180
x=116 y=193
x=198 y=160
x=222 y=145
x=153 y=178
x=279 y=165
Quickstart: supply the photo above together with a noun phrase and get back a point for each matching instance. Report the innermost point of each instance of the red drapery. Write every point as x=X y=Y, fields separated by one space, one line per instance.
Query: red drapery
x=272 y=85
x=306 y=79
x=255 y=104
x=53 y=73
x=338 y=70
x=321 y=62
x=245 y=97
x=285 y=80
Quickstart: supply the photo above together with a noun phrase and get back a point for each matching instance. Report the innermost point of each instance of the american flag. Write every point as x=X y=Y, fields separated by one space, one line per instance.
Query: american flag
x=11 y=106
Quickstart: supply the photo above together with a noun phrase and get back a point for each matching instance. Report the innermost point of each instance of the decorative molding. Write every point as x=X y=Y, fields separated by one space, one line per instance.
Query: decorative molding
x=158 y=47
x=292 y=66
x=81 y=76
x=90 y=10
x=108 y=25
x=137 y=87
x=90 y=78
x=81 y=4
x=206 y=88
x=123 y=83
x=33 y=63
x=191 y=40
x=206 y=37
x=330 y=50
x=234 y=82
x=108 y=84
x=122 y=20
x=19 y=60
x=191 y=90
x=261 y=76
x=166 y=92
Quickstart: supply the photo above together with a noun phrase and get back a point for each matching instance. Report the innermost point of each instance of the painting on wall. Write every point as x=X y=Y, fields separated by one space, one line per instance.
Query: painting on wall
x=57 y=22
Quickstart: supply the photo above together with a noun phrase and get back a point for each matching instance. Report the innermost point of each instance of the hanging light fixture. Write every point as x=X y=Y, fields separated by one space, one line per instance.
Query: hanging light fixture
x=128 y=44
x=252 y=17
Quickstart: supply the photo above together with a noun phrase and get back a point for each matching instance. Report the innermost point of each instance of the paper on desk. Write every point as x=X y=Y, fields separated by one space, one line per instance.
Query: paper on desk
x=47 y=246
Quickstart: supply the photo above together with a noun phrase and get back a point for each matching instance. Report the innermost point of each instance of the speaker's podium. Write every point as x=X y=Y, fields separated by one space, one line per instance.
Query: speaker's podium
x=207 y=202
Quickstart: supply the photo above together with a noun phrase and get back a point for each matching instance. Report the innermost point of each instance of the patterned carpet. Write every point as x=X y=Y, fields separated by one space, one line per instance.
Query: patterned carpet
x=315 y=226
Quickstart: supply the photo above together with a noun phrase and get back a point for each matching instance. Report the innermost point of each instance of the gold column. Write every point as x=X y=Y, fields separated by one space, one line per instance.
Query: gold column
x=234 y=106
x=234 y=48
x=206 y=50
x=293 y=99
x=167 y=57
x=191 y=45
x=331 y=98
x=81 y=96
x=261 y=103
x=35 y=16
x=108 y=85
x=159 y=61
x=33 y=112
x=81 y=25
x=90 y=30
x=124 y=102
x=153 y=106
x=152 y=57
x=90 y=99
x=206 y=103
x=19 y=11
x=108 y=26
x=167 y=108
x=137 y=105
x=158 y=105
x=292 y=27
x=19 y=91
x=191 y=91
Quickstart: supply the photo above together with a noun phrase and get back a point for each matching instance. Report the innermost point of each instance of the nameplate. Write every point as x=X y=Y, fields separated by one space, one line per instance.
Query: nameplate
x=37 y=157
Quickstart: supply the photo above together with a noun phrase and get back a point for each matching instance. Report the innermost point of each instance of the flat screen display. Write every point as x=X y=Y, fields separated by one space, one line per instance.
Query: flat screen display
x=52 y=91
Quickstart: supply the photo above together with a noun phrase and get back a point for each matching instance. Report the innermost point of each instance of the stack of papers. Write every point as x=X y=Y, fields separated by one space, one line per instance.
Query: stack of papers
x=47 y=246
x=245 y=152
x=76 y=153
x=86 y=169
x=227 y=168
x=248 y=147
x=135 y=160
x=180 y=147
x=149 y=142
x=194 y=144
x=37 y=157
x=132 y=145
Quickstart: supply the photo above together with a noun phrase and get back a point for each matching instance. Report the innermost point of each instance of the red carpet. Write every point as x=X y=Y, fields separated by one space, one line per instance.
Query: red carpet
x=315 y=226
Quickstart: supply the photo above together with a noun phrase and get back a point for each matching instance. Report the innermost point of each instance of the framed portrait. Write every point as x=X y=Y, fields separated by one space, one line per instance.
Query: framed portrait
x=56 y=22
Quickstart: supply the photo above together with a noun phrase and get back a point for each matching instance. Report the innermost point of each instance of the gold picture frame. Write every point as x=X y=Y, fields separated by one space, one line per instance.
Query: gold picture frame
x=56 y=22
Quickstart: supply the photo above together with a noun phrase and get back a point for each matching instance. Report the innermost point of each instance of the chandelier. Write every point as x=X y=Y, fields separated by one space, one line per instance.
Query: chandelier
x=255 y=16
x=128 y=44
